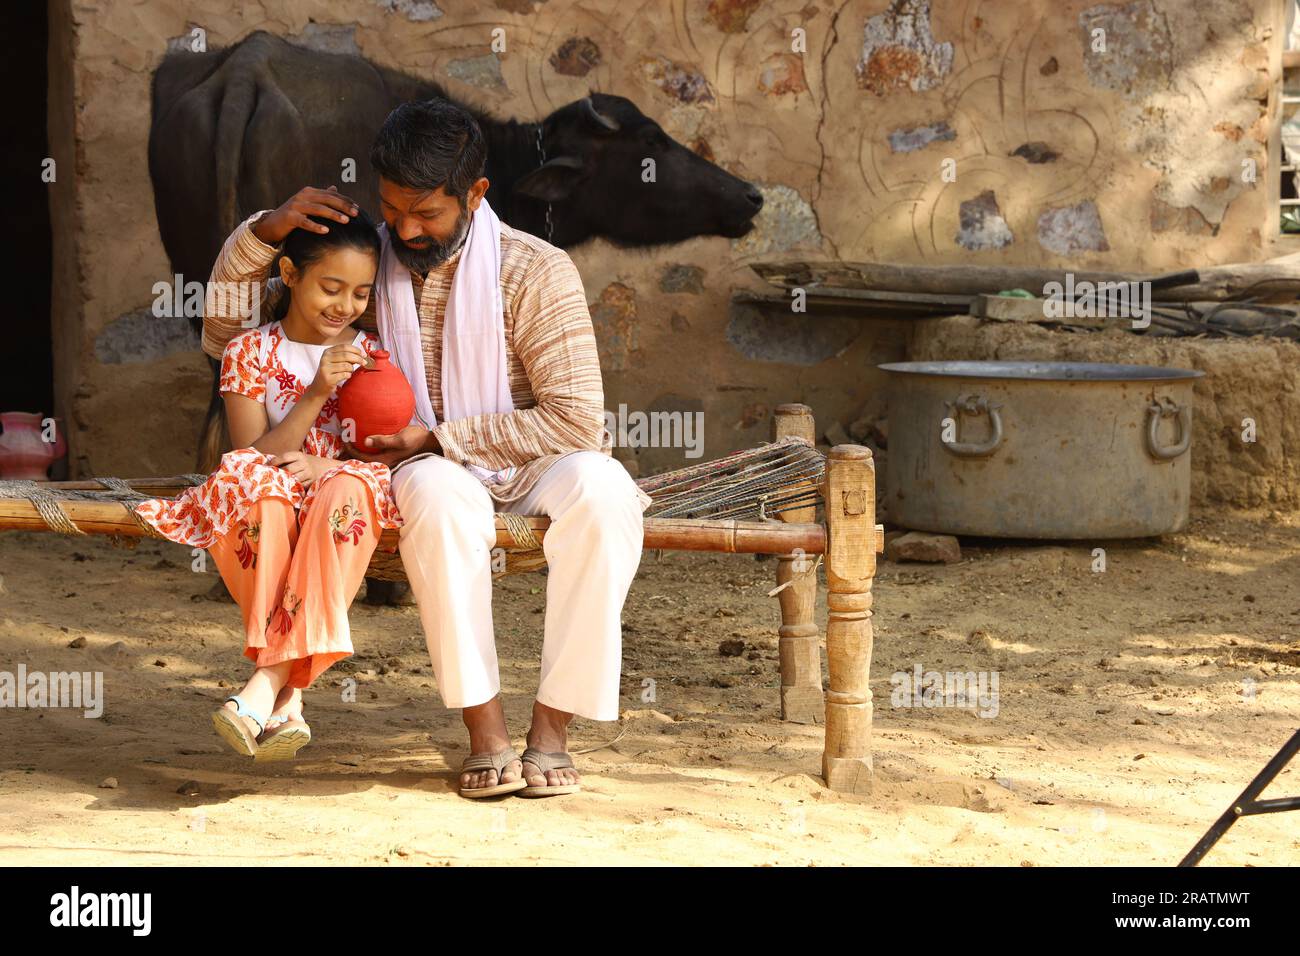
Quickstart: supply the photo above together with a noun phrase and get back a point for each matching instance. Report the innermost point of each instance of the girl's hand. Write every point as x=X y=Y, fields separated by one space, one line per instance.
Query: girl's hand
x=336 y=365
x=306 y=468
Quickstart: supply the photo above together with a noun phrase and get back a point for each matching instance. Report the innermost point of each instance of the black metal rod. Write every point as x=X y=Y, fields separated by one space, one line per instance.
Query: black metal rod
x=1271 y=806
x=1238 y=808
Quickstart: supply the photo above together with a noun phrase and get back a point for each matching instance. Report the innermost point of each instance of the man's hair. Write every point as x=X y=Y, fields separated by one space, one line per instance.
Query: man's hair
x=430 y=143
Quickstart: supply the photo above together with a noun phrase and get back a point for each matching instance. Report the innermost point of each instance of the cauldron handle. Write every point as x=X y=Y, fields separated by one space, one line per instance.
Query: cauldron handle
x=974 y=405
x=1160 y=409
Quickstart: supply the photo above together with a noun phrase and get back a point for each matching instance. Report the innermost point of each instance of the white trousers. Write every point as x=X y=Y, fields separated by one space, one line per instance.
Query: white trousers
x=593 y=547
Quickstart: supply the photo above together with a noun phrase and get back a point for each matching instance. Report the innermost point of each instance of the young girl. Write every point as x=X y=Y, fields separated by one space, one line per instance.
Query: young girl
x=293 y=575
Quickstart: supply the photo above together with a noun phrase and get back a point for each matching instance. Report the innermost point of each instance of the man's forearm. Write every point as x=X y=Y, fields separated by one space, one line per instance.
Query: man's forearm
x=241 y=267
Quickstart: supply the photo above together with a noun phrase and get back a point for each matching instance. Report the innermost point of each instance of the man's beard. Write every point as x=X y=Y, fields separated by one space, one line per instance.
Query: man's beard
x=420 y=260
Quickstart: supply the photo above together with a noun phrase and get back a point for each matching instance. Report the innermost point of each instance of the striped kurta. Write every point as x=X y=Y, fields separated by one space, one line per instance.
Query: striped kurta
x=552 y=365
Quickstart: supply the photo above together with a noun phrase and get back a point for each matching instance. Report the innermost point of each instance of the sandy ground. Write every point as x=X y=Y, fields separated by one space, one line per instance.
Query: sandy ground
x=1134 y=704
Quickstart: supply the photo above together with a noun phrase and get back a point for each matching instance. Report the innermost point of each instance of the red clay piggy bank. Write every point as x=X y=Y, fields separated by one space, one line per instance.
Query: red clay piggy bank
x=375 y=401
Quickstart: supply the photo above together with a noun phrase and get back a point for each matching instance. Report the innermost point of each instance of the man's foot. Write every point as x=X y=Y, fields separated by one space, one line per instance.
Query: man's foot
x=493 y=767
x=550 y=770
x=545 y=767
x=489 y=775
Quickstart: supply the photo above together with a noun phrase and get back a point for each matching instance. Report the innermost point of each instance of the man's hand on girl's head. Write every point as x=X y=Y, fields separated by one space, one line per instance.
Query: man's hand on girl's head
x=390 y=449
x=308 y=201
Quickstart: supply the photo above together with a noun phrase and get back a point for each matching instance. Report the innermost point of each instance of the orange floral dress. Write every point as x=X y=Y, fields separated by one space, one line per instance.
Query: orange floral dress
x=292 y=557
x=267 y=366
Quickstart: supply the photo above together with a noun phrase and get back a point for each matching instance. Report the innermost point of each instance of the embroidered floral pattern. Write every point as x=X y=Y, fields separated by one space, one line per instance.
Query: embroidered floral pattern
x=247 y=550
x=281 y=619
x=347 y=522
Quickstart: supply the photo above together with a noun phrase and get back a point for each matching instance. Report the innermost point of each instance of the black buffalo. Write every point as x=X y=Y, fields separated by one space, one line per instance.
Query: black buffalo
x=243 y=128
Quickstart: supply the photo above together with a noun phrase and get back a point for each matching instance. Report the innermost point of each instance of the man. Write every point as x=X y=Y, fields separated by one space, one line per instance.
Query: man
x=526 y=435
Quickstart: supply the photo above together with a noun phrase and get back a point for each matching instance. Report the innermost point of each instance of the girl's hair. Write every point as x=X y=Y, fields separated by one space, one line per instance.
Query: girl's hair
x=302 y=247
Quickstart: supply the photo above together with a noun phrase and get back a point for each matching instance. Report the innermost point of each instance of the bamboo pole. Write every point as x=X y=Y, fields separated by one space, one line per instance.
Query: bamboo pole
x=674 y=534
x=850 y=566
x=799 y=642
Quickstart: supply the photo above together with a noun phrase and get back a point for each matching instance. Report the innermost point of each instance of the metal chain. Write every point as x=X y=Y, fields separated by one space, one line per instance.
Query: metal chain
x=541 y=152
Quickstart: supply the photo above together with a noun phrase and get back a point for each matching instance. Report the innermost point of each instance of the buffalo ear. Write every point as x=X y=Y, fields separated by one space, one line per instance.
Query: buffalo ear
x=552 y=182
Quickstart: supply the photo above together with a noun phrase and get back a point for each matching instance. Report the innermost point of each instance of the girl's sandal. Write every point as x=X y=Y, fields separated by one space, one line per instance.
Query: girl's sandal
x=282 y=739
x=233 y=726
x=548 y=761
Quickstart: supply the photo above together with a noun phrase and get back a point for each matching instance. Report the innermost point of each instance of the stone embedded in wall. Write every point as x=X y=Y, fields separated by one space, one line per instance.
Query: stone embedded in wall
x=681 y=83
x=981 y=225
x=481 y=71
x=1138 y=54
x=1066 y=230
x=680 y=278
x=1188 y=219
x=185 y=43
x=1035 y=152
x=417 y=11
x=1050 y=67
x=613 y=316
x=732 y=16
x=576 y=56
x=140 y=336
x=782 y=74
x=899 y=51
x=785 y=221
x=328 y=38
x=918 y=137
x=792 y=338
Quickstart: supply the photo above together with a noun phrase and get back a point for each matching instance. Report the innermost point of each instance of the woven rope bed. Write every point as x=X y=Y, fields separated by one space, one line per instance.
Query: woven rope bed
x=763 y=500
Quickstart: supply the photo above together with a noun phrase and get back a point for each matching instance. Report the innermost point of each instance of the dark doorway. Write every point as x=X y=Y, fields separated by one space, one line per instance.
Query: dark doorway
x=27 y=384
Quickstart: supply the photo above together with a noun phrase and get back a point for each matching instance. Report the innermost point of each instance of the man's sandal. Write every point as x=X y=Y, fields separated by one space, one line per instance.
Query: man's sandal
x=282 y=738
x=544 y=762
x=233 y=728
x=498 y=762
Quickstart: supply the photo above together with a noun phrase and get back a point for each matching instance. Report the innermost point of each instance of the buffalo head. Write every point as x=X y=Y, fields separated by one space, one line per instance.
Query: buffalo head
x=598 y=181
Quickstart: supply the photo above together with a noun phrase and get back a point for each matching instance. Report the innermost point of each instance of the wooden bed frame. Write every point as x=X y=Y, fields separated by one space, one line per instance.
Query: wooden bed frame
x=849 y=540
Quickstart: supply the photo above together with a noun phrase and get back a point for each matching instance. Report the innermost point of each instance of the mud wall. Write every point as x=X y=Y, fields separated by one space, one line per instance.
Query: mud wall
x=972 y=132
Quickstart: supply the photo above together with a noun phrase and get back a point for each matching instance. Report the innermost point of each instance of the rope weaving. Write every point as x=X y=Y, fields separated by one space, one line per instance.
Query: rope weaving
x=518 y=527
x=52 y=513
x=756 y=483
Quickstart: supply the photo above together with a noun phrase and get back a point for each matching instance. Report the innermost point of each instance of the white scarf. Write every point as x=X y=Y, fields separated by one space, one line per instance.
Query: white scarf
x=474 y=376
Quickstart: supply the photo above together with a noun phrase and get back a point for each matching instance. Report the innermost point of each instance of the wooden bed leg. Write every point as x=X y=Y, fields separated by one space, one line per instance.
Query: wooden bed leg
x=800 y=638
x=850 y=567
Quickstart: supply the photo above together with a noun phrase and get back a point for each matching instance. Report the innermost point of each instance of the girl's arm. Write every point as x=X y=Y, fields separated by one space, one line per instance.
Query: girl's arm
x=246 y=413
x=250 y=427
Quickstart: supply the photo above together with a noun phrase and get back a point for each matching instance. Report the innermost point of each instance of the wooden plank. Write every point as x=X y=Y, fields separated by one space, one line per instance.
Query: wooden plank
x=670 y=534
x=1216 y=282
x=903 y=305
x=1005 y=308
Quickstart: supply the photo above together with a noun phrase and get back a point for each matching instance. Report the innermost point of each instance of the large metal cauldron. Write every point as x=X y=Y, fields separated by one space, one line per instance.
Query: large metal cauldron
x=1039 y=449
